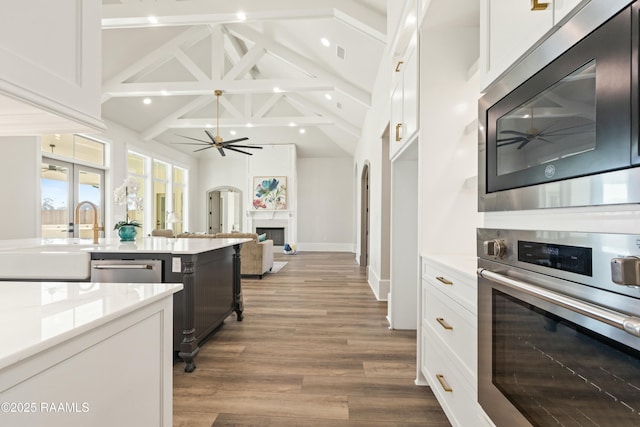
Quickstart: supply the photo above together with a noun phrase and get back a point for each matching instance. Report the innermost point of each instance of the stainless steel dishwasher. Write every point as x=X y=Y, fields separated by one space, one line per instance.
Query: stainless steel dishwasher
x=126 y=271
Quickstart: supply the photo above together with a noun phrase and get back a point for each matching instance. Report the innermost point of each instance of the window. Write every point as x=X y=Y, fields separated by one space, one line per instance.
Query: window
x=166 y=186
x=137 y=167
x=179 y=194
x=72 y=172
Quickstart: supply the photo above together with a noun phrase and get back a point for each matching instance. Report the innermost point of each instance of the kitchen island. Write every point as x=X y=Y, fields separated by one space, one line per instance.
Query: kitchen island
x=209 y=270
x=80 y=354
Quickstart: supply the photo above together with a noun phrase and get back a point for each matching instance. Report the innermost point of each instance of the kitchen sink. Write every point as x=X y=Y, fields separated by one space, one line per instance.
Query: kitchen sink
x=68 y=261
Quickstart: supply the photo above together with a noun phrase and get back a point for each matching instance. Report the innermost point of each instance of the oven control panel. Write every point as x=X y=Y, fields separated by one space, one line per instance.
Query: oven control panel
x=574 y=259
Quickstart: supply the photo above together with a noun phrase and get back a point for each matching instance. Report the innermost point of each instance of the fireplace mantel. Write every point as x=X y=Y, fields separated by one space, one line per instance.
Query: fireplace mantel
x=273 y=218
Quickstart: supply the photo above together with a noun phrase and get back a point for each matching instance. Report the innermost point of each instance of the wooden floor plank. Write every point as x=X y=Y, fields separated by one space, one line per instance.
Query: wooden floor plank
x=314 y=349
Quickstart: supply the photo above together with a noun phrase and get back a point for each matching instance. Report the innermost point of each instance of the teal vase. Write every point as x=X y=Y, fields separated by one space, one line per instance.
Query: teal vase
x=127 y=233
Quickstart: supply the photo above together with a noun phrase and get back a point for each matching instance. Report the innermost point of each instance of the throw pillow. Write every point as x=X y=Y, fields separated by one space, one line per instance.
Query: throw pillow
x=262 y=237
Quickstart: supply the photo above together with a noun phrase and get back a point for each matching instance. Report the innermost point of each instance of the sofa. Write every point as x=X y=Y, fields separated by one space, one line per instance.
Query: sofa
x=256 y=257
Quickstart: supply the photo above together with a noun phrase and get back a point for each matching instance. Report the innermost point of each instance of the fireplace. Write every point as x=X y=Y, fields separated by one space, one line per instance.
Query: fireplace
x=273 y=233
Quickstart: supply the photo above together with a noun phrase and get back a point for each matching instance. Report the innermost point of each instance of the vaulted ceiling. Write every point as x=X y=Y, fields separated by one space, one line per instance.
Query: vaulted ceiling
x=280 y=84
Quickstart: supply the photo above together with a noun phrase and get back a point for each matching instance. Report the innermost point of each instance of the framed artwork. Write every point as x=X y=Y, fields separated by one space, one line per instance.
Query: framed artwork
x=270 y=192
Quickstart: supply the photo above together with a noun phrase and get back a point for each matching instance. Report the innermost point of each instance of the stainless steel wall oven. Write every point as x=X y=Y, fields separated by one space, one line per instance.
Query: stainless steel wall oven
x=559 y=328
x=549 y=134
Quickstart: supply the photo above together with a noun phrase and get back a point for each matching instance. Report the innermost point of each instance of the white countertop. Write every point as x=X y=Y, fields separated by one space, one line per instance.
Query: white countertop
x=186 y=246
x=35 y=316
x=465 y=264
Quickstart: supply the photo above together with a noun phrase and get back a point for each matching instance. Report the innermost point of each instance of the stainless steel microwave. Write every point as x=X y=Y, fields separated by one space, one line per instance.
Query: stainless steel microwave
x=560 y=129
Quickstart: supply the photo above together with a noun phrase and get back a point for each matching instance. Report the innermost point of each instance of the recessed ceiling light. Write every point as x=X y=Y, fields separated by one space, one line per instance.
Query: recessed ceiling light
x=209 y=125
x=146 y=101
x=241 y=16
x=277 y=89
x=292 y=124
x=233 y=132
x=152 y=19
x=325 y=42
x=164 y=92
x=249 y=125
x=411 y=19
x=328 y=96
x=302 y=131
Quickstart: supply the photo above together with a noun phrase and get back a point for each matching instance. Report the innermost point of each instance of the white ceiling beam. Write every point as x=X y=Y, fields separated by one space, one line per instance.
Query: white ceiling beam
x=244 y=65
x=191 y=66
x=195 y=12
x=154 y=59
x=268 y=105
x=304 y=64
x=162 y=125
x=255 y=122
x=208 y=86
x=217 y=52
x=305 y=106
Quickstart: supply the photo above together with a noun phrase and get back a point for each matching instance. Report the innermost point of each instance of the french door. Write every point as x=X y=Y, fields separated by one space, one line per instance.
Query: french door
x=63 y=186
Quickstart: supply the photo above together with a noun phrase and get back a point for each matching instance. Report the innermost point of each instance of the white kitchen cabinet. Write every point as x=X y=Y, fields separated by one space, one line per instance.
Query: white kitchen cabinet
x=447 y=351
x=404 y=101
x=50 y=78
x=509 y=28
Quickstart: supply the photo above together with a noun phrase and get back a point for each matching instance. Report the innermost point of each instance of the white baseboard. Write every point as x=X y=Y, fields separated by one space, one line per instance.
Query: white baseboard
x=379 y=287
x=326 y=247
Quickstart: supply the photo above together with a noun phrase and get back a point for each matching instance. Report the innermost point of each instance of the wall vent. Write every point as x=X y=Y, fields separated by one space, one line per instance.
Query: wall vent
x=341 y=52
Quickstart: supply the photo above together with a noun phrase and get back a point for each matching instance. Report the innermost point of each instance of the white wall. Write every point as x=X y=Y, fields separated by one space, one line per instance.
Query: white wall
x=325 y=204
x=448 y=153
x=20 y=188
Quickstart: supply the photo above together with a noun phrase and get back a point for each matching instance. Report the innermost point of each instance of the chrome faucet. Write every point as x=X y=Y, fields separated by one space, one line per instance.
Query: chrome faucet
x=96 y=229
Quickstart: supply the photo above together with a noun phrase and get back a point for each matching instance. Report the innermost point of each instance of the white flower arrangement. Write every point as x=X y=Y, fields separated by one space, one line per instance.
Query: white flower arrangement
x=127 y=194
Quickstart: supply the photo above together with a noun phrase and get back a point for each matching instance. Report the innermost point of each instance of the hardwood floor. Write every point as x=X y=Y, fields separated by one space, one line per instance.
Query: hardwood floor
x=314 y=349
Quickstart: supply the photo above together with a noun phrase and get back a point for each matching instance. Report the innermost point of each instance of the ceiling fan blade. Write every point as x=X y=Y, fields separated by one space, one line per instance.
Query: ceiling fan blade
x=523 y=144
x=190 y=143
x=236 y=140
x=244 y=146
x=195 y=139
x=221 y=151
x=514 y=132
x=239 y=151
x=213 y=138
x=205 y=148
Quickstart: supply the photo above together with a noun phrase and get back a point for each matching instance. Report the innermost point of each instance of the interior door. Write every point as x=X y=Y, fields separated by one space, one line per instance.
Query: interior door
x=215 y=219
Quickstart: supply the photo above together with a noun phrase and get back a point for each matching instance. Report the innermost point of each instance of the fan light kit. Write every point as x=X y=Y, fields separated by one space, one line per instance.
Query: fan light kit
x=217 y=141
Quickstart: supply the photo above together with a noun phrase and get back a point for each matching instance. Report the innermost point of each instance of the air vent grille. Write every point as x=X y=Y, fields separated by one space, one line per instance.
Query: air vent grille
x=341 y=52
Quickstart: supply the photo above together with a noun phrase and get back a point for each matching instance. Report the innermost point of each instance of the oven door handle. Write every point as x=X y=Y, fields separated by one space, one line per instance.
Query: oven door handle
x=629 y=324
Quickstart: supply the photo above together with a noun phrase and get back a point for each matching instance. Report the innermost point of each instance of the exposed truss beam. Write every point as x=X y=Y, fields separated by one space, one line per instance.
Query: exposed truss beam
x=304 y=64
x=255 y=122
x=308 y=108
x=195 y=12
x=163 y=124
x=155 y=58
x=205 y=87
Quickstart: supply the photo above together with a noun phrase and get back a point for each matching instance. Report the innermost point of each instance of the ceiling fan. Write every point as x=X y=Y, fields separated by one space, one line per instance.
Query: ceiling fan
x=217 y=141
x=544 y=135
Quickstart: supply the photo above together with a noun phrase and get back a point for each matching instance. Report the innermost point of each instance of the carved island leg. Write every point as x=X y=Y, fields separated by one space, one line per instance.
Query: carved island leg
x=237 y=287
x=189 y=347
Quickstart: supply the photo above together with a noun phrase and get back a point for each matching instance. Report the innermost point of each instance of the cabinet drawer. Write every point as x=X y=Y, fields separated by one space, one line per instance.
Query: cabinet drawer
x=455 y=325
x=458 y=286
x=454 y=390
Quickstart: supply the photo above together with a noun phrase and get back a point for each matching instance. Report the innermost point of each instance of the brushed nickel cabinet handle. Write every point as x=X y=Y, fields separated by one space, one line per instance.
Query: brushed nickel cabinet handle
x=443 y=280
x=443 y=383
x=444 y=323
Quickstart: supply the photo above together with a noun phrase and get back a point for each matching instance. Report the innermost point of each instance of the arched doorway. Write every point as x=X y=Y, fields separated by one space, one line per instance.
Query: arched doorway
x=365 y=197
x=224 y=210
